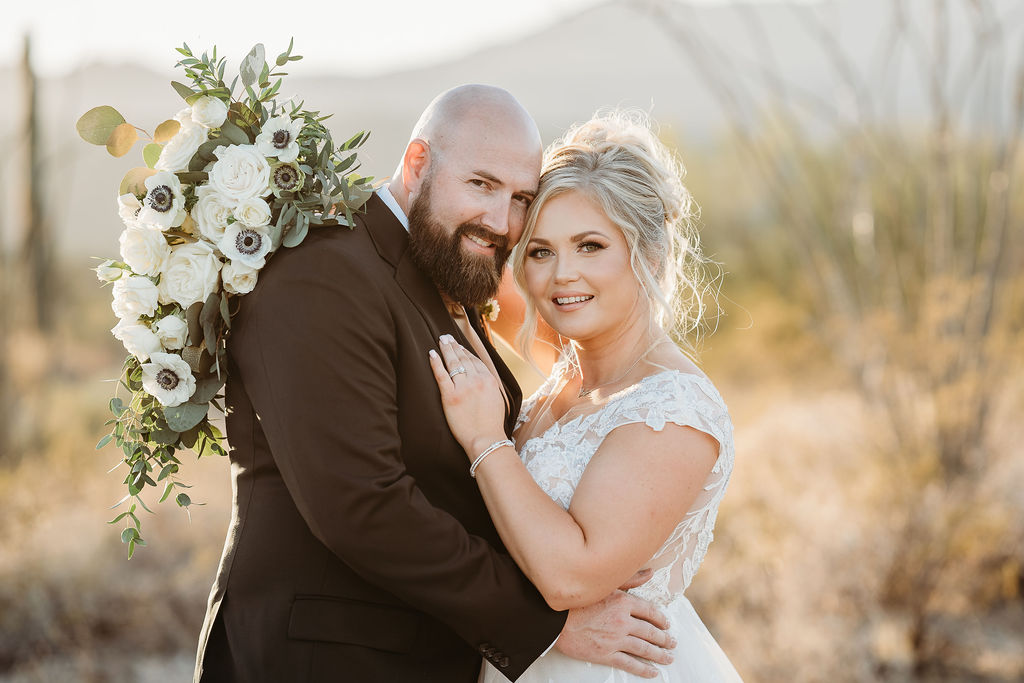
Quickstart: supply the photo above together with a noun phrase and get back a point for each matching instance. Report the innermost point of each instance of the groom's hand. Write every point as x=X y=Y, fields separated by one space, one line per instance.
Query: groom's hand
x=622 y=631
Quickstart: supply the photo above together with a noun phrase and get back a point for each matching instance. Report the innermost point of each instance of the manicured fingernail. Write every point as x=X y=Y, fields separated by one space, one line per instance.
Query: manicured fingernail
x=447 y=339
x=433 y=353
x=671 y=642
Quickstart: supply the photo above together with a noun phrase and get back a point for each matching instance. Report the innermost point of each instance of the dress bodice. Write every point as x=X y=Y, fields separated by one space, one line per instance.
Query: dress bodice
x=557 y=457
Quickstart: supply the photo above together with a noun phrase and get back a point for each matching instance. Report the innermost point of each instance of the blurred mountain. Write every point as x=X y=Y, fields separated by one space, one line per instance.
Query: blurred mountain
x=614 y=54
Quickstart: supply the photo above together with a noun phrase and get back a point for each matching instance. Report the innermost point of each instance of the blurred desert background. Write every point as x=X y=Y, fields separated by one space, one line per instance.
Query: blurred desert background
x=859 y=168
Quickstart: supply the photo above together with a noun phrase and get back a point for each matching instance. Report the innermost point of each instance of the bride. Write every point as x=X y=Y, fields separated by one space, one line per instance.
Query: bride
x=625 y=451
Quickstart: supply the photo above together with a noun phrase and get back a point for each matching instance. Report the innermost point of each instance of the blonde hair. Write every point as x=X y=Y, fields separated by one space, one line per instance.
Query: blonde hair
x=616 y=160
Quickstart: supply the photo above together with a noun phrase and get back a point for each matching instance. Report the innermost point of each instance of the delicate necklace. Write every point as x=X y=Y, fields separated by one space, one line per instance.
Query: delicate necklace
x=583 y=393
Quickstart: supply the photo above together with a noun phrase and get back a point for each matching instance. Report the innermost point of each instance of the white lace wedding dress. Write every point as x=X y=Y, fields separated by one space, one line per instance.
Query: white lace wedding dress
x=556 y=458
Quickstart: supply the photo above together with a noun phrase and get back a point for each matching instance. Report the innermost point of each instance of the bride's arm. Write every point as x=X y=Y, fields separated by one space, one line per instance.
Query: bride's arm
x=634 y=492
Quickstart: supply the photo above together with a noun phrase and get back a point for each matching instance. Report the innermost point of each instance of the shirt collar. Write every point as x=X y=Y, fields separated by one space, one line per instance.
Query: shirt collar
x=389 y=199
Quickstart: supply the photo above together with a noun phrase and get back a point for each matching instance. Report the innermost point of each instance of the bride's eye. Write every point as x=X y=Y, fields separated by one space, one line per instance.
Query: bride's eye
x=590 y=247
x=539 y=252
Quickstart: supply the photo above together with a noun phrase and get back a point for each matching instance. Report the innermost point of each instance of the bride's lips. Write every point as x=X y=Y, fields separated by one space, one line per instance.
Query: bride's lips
x=571 y=301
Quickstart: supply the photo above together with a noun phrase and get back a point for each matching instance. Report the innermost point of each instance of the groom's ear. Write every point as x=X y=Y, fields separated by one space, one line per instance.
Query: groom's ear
x=415 y=164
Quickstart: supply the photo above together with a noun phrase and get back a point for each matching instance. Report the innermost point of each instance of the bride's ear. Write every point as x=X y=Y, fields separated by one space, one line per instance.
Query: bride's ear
x=415 y=164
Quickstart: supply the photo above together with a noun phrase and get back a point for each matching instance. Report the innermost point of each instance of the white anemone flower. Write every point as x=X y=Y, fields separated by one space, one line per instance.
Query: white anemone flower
x=280 y=138
x=246 y=245
x=164 y=205
x=168 y=379
x=128 y=207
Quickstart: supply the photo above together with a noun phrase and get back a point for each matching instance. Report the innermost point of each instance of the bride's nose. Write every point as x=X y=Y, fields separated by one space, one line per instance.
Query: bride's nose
x=566 y=271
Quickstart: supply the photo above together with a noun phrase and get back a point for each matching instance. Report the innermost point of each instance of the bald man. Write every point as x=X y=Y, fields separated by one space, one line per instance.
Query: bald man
x=359 y=547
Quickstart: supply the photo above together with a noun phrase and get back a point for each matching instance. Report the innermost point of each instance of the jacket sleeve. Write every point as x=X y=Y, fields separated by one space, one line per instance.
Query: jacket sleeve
x=317 y=353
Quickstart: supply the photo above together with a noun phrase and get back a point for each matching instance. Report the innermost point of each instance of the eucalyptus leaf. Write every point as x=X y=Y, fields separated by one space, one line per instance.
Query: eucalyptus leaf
x=234 y=133
x=192 y=177
x=206 y=389
x=276 y=230
x=116 y=406
x=96 y=125
x=298 y=233
x=195 y=330
x=208 y=319
x=183 y=500
x=166 y=130
x=186 y=416
x=188 y=438
x=182 y=89
x=206 y=149
x=122 y=139
x=225 y=312
x=167 y=471
x=252 y=65
x=164 y=436
x=134 y=181
x=151 y=153
x=104 y=441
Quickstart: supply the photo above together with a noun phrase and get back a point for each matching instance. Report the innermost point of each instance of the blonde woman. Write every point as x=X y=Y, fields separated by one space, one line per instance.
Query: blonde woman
x=621 y=458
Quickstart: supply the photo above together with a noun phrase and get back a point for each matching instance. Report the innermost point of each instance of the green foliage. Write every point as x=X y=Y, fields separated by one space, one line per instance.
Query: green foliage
x=151 y=153
x=98 y=124
x=326 y=192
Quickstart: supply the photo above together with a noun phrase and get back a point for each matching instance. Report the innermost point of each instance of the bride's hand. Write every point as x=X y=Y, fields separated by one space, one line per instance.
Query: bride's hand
x=472 y=399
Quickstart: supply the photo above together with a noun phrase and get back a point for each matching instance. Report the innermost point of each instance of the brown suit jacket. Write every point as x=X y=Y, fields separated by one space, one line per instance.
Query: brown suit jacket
x=359 y=547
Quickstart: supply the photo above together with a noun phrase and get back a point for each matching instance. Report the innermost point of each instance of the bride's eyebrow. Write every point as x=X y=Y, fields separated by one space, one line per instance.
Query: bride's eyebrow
x=583 y=235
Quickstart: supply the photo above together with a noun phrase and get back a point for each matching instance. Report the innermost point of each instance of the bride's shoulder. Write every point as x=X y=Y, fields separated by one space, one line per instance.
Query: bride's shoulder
x=676 y=391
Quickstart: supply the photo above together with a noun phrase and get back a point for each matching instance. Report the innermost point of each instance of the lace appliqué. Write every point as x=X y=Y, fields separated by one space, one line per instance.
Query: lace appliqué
x=557 y=458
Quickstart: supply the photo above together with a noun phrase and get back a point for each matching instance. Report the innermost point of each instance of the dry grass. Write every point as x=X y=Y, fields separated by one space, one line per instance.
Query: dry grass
x=797 y=587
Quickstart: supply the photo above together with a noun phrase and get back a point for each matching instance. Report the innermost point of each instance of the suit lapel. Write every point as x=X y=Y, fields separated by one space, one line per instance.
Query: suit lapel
x=391 y=241
x=515 y=393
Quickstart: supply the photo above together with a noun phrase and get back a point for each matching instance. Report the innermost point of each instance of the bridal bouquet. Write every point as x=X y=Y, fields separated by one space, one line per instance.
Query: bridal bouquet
x=229 y=180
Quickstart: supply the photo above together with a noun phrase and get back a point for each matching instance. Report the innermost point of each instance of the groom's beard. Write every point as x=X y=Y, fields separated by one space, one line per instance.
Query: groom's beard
x=465 y=277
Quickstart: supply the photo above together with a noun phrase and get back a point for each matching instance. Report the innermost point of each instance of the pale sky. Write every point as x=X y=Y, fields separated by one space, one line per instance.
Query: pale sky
x=334 y=36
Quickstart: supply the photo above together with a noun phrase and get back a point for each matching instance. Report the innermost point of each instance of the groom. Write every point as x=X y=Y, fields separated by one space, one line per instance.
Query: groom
x=359 y=548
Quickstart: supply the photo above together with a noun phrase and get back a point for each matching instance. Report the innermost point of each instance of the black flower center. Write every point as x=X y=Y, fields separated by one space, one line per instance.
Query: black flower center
x=285 y=177
x=282 y=138
x=161 y=198
x=248 y=242
x=167 y=379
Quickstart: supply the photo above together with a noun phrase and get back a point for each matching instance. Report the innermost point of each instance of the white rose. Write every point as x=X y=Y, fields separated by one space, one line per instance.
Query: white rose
x=279 y=138
x=212 y=212
x=168 y=379
x=209 y=112
x=144 y=248
x=190 y=275
x=108 y=272
x=245 y=245
x=128 y=207
x=180 y=149
x=138 y=339
x=238 y=278
x=240 y=173
x=253 y=212
x=134 y=296
x=164 y=205
x=172 y=331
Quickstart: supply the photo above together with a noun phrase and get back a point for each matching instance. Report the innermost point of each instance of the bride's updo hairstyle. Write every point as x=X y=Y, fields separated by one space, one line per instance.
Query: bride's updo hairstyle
x=617 y=161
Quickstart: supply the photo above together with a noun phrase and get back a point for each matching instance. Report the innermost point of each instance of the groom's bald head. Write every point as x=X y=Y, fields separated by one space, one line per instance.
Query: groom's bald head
x=462 y=115
x=480 y=125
